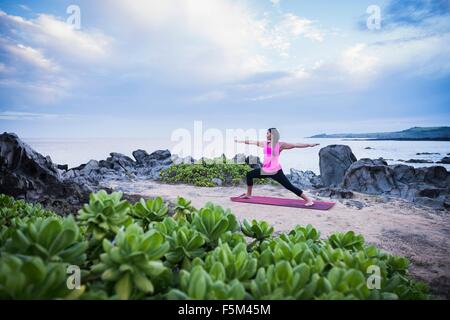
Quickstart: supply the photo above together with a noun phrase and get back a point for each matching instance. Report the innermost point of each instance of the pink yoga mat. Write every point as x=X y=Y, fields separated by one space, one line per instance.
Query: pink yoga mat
x=296 y=203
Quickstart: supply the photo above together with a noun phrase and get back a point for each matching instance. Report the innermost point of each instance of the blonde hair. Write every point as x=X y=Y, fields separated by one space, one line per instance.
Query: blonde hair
x=275 y=137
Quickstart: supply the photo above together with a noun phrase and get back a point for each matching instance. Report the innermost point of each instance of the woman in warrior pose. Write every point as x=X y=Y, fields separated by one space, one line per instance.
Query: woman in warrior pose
x=271 y=167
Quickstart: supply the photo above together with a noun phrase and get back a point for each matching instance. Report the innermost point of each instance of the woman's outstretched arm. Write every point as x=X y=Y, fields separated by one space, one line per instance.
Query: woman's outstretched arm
x=287 y=146
x=256 y=143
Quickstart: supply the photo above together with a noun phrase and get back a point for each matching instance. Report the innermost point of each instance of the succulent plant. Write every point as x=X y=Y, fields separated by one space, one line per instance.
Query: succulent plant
x=105 y=214
x=348 y=240
x=198 y=254
x=51 y=239
x=33 y=278
x=259 y=230
x=227 y=264
x=11 y=210
x=282 y=281
x=146 y=212
x=185 y=245
x=183 y=209
x=302 y=234
x=132 y=261
x=198 y=284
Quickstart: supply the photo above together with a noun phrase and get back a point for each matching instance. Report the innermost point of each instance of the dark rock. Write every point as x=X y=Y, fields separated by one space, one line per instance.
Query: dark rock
x=369 y=176
x=334 y=193
x=418 y=161
x=140 y=156
x=435 y=203
x=239 y=158
x=253 y=161
x=218 y=182
x=120 y=162
x=304 y=179
x=334 y=160
x=427 y=186
x=426 y=153
x=178 y=160
x=355 y=203
x=445 y=160
x=368 y=148
x=25 y=173
x=63 y=167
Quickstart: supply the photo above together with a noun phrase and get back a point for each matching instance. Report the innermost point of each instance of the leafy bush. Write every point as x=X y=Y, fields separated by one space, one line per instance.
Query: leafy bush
x=105 y=214
x=185 y=245
x=258 y=230
x=201 y=285
x=51 y=239
x=143 y=253
x=201 y=174
x=183 y=209
x=227 y=264
x=33 y=278
x=346 y=240
x=213 y=221
x=132 y=260
x=145 y=212
x=11 y=209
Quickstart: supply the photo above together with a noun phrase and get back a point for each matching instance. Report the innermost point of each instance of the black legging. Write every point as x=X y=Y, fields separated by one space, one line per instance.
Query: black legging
x=278 y=176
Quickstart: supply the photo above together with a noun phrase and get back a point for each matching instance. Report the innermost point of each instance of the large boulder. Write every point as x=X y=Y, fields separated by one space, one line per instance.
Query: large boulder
x=304 y=179
x=370 y=176
x=25 y=173
x=334 y=160
x=429 y=186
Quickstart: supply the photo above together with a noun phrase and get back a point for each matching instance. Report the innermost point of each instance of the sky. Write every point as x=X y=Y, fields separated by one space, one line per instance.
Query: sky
x=145 y=68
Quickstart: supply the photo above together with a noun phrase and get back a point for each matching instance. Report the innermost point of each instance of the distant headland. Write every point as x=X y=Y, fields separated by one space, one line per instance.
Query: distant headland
x=416 y=134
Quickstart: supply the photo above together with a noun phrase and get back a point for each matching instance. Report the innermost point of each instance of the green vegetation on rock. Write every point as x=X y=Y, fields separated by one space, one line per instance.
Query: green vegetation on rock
x=202 y=174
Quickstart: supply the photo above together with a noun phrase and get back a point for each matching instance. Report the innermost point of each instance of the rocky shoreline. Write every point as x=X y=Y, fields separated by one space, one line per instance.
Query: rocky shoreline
x=25 y=173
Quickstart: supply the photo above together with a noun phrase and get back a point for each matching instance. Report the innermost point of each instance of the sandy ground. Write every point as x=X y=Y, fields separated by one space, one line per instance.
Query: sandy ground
x=420 y=234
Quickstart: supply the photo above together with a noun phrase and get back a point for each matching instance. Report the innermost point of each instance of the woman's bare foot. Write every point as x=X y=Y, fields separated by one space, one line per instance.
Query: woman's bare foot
x=244 y=196
x=309 y=203
x=308 y=200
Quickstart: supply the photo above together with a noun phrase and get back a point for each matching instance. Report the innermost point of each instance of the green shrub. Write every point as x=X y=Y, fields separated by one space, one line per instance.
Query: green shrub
x=258 y=230
x=197 y=254
x=213 y=221
x=202 y=173
x=132 y=260
x=183 y=209
x=226 y=264
x=145 y=212
x=346 y=240
x=105 y=214
x=33 y=278
x=11 y=209
x=51 y=239
x=200 y=285
x=185 y=245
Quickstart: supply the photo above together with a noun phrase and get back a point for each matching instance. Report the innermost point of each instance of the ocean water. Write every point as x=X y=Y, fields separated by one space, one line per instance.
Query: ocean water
x=77 y=151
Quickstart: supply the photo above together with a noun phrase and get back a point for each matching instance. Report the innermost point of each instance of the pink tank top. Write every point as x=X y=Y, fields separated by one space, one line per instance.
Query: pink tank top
x=271 y=162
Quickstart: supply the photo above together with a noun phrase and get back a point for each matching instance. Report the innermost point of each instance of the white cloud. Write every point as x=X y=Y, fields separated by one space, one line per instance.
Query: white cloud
x=55 y=36
x=15 y=115
x=43 y=56
x=30 y=56
x=425 y=56
x=211 y=40
x=296 y=26
x=214 y=95
x=357 y=60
